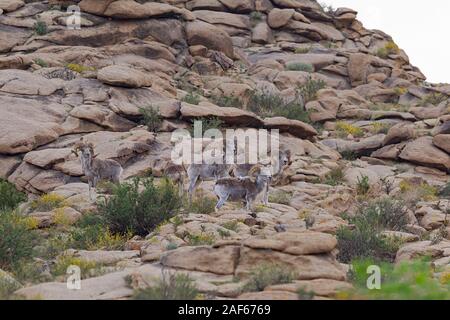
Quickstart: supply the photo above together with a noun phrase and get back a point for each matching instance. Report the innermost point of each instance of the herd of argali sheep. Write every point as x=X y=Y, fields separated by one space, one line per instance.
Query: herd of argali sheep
x=234 y=182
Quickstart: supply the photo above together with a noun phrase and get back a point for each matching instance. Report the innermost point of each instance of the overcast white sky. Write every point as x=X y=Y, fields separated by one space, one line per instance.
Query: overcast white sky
x=421 y=28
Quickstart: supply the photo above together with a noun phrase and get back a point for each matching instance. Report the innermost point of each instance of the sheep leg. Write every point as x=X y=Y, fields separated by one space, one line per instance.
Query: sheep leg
x=192 y=184
x=221 y=201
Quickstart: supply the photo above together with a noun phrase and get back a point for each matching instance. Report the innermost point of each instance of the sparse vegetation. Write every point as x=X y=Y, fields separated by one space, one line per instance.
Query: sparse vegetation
x=232 y=225
x=433 y=99
x=207 y=123
x=269 y=274
x=10 y=198
x=281 y=197
x=172 y=286
x=343 y=129
x=379 y=127
x=151 y=118
x=48 y=202
x=40 y=28
x=40 y=62
x=410 y=280
x=79 y=68
x=129 y=209
x=226 y=101
x=299 y=66
x=363 y=185
x=16 y=240
x=364 y=239
x=302 y=50
x=309 y=90
x=192 y=98
x=202 y=204
x=334 y=177
x=200 y=239
x=388 y=49
x=268 y=105
x=63 y=263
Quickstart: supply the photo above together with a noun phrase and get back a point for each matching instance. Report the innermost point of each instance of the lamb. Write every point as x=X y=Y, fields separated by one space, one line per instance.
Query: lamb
x=205 y=172
x=94 y=169
x=244 y=188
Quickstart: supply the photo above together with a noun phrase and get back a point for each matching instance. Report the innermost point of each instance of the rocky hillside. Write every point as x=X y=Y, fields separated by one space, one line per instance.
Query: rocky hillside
x=365 y=130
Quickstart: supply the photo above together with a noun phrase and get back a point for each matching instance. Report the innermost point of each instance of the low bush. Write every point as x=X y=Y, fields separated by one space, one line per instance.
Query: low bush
x=362 y=185
x=16 y=240
x=202 y=204
x=79 y=68
x=172 y=286
x=434 y=99
x=151 y=118
x=200 y=239
x=299 y=66
x=269 y=105
x=192 y=98
x=64 y=262
x=281 y=197
x=268 y=274
x=410 y=280
x=309 y=90
x=130 y=209
x=344 y=129
x=207 y=123
x=334 y=177
x=232 y=225
x=40 y=28
x=48 y=202
x=364 y=239
x=226 y=101
x=10 y=198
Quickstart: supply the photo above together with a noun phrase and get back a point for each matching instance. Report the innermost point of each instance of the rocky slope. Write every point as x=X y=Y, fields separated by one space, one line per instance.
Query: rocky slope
x=376 y=117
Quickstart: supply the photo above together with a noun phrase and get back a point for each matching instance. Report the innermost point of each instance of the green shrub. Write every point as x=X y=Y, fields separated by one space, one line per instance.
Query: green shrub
x=334 y=177
x=16 y=240
x=130 y=210
x=192 y=98
x=200 y=239
x=268 y=105
x=226 y=101
x=255 y=17
x=151 y=118
x=309 y=90
x=344 y=129
x=299 y=66
x=364 y=239
x=79 y=68
x=202 y=204
x=9 y=196
x=48 y=202
x=63 y=263
x=349 y=155
x=7 y=286
x=302 y=50
x=281 y=197
x=434 y=99
x=41 y=63
x=40 y=28
x=171 y=287
x=207 y=123
x=388 y=49
x=363 y=185
x=410 y=280
x=444 y=192
x=232 y=225
x=268 y=274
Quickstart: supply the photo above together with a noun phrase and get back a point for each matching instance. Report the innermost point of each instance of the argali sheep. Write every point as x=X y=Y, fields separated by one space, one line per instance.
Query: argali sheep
x=94 y=169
